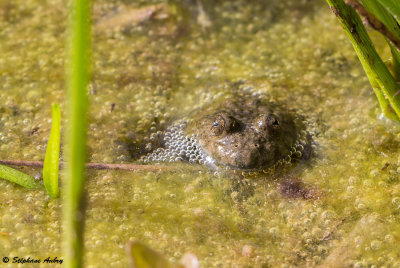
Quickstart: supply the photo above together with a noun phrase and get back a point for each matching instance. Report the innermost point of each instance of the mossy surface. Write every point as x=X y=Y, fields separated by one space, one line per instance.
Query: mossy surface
x=152 y=70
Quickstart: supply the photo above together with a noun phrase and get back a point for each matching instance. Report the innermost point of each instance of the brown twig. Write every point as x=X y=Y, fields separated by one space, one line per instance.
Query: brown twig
x=372 y=21
x=133 y=167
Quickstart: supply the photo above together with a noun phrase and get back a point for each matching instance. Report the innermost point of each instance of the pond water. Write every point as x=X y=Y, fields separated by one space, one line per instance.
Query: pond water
x=154 y=62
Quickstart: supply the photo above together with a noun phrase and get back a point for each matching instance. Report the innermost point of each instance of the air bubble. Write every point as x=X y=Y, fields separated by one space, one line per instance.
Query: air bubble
x=298 y=154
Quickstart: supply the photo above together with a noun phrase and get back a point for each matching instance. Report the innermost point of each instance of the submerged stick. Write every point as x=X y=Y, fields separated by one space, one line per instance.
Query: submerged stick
x=101 y=166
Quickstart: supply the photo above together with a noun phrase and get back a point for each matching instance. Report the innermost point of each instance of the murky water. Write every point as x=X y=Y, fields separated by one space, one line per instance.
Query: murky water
x=151 y=70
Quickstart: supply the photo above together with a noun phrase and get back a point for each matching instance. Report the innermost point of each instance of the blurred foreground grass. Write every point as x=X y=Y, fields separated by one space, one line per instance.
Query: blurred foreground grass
x=77 y=81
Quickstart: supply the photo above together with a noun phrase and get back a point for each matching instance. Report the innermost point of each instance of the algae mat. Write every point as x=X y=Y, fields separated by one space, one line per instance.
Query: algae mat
x=155 y=61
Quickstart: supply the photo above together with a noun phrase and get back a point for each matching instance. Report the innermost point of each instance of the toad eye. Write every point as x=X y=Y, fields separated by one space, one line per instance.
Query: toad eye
x=264 y=122
x=273 y=122
x=218 y=125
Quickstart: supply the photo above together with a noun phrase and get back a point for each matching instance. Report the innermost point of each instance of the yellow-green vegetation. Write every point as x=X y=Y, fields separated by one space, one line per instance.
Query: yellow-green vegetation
x=141 y=256
x=18 y=177
x=76 y=152
x=383 y=83
x=395 y=62
x=149 y=73
x=393 y=7
x=52 y=158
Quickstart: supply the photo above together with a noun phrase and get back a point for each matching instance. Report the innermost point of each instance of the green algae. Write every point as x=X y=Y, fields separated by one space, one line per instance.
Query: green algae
x=145 y=77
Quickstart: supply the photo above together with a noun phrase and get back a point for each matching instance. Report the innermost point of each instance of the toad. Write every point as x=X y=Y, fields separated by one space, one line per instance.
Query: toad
x=238 y=132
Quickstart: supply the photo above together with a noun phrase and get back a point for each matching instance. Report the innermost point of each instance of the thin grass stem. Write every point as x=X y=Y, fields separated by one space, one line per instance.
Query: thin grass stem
x=99 y=166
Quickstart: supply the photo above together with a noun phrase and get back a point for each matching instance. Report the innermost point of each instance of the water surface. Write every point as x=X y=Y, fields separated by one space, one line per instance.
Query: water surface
x=153 y=69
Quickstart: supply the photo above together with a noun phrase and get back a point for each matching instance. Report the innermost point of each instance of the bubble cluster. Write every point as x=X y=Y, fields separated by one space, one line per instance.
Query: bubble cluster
x=179 y=147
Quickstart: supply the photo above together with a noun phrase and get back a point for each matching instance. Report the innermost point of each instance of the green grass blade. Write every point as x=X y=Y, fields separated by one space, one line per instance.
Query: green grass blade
x=383 y=15
x=376 y=70
x=395 y=61
x=52 y=158
x=393 y=6
x=141 y=256
x=18 y=177
x=386 y=109
x=75 y=177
